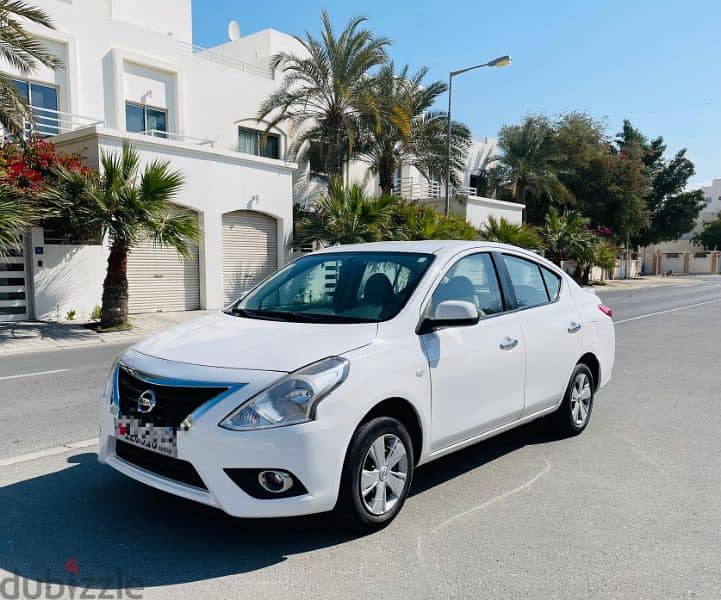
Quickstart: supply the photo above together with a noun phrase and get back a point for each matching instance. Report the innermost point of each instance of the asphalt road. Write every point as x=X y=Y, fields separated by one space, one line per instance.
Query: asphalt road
x=629 y=509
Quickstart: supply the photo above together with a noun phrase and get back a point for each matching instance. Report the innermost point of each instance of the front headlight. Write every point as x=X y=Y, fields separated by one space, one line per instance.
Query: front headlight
x=291 y=400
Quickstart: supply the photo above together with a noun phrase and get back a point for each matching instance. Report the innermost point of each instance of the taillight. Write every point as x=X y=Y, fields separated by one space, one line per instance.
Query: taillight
x=605 y=310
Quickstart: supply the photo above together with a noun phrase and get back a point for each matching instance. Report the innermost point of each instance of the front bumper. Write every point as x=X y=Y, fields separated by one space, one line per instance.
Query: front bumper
x=313 y=452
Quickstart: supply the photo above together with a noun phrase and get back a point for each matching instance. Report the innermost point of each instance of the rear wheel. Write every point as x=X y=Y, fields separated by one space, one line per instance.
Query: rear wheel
x=575 y=411
x=376 y=476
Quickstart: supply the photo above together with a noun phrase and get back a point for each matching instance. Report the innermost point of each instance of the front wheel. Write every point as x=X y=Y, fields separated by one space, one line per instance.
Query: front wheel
x=376 y=476
x=575 y=411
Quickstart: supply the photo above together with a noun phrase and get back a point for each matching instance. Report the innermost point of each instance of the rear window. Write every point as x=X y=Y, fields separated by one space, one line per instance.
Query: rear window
x=553 y=283
x=528 y=284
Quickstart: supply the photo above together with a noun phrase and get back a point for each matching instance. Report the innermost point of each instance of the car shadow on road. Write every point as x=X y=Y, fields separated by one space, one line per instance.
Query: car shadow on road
x=118 y=530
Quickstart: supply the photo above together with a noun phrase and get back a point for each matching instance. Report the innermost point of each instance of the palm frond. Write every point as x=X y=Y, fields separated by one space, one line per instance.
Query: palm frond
x=16 y=216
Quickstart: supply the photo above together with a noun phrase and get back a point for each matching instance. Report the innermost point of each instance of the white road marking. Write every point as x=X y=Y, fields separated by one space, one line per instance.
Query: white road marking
x=546 y=468
x=670 y=310
x=6 y=377
x=14 y=460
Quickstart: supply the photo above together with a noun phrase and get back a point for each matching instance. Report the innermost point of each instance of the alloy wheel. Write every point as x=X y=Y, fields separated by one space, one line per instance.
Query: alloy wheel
x=581 y=395
x=383 y=474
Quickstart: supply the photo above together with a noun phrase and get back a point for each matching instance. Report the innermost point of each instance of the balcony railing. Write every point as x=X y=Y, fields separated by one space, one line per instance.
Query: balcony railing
x=50 y=122
x=179 y=137
x=410 y=188
x=219 y=57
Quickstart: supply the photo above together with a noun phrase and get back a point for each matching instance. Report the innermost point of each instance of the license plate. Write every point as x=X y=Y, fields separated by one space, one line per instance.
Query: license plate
x=156 y=439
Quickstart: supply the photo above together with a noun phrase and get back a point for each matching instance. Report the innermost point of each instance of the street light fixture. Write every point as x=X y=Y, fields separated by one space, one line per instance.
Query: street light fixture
x=501 y=61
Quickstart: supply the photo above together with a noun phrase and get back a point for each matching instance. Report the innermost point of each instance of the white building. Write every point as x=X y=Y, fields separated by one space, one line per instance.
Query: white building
x=132 y=72
x=682 y=256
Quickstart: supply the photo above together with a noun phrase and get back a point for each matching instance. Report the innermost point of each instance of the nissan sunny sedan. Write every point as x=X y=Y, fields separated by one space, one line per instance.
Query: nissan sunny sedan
x=327 y=384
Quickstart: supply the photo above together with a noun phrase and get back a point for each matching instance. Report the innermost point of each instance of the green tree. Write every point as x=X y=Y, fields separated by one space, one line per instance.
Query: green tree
x=503 y=231
x=400 y=129
x=527 y=169
x=322 y=95
x=24 y=52
x=344 y=215
x=709 y=238
x=127 y=204
x=672 y=211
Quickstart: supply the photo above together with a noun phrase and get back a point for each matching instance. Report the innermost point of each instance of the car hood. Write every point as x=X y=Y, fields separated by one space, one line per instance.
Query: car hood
x=226 y=341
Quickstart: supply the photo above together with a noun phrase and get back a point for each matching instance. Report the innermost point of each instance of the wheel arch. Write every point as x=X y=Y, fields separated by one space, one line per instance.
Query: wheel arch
x=402 y=410
x=591 y=361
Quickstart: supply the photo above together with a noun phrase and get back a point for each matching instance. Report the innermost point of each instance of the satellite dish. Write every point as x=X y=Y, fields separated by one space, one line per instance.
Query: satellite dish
x=233 y=30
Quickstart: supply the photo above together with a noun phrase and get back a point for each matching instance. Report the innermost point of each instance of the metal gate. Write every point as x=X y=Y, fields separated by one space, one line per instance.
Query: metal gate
x=14 y=288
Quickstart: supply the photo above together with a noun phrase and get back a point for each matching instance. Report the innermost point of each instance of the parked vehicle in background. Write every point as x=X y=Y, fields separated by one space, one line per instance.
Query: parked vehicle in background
x=331 y=381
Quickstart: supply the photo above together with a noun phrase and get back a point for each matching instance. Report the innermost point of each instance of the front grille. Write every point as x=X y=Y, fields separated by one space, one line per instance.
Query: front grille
x=172 y=468
x=173 y=403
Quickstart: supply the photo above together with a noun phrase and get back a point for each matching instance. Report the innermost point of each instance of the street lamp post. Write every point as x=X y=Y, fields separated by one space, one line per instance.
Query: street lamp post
x=501 y=61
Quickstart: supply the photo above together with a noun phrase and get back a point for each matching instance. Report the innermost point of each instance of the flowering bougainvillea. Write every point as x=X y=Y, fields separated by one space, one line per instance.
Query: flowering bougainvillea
x=29 y=167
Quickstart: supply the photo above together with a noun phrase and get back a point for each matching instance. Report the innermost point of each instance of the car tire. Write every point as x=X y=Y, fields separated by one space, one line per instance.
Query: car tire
x=573 y=415
x=373 y=489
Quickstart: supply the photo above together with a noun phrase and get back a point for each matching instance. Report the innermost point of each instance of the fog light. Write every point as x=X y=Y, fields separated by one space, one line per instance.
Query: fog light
x=275 y=482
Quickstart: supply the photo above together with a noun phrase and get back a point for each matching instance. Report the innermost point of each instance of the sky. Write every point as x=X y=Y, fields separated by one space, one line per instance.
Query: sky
x=655 y=62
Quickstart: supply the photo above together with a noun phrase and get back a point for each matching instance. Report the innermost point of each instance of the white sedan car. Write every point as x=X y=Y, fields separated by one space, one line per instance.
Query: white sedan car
x=326 y=385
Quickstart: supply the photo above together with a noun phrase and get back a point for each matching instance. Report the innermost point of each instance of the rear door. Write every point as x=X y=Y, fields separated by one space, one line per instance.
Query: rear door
x=551 y=330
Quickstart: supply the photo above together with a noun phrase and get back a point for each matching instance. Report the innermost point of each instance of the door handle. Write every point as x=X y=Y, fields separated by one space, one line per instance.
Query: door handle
x=574 y=327
x=508 y=343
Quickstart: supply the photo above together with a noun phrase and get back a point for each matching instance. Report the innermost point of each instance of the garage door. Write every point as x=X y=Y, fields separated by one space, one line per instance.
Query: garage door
x=250 y=251
x=13 y=288
x=160 y=280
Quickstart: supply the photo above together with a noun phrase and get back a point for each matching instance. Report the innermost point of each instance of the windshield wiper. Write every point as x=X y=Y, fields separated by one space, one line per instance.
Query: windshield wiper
x=295 y=317
x=268 y=315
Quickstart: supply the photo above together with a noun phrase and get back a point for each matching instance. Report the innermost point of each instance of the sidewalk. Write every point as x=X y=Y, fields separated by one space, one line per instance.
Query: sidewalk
x=647 y=281
x=21 y=337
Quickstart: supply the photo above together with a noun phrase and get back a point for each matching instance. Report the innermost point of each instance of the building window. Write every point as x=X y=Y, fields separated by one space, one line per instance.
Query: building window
x=43 y=100
x=708 y=199
x=316 y=160
x=140 y=118
x=249 y=142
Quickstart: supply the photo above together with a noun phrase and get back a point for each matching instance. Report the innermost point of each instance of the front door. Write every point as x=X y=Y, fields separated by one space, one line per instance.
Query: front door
x=477 y=372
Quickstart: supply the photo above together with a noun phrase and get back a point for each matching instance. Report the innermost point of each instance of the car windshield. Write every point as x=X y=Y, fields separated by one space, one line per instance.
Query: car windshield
x=338 y=287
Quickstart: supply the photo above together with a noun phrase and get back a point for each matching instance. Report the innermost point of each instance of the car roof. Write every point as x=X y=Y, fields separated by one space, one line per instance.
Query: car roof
x=438 y=247
x=441 y=248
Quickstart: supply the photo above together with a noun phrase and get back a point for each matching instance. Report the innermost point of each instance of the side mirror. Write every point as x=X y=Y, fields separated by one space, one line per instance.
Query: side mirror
x=450 y=313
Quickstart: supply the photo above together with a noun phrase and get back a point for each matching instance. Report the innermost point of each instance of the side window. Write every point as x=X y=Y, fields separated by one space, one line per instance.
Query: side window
x=527 y=281
x=553 y=283
x=473 y=279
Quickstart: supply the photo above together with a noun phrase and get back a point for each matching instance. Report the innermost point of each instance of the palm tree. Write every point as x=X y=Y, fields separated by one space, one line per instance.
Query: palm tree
x=322 y=95
x=413 y=221
x=23 y=52
x=15 y=218
x=528 y=167
x=344 y=215
x=565 y=236
x=126 y=204
x=503 y=231
x=399 y=129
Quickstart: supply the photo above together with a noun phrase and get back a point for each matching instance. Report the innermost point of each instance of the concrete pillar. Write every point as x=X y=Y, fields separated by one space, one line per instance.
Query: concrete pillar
x=686 y=262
